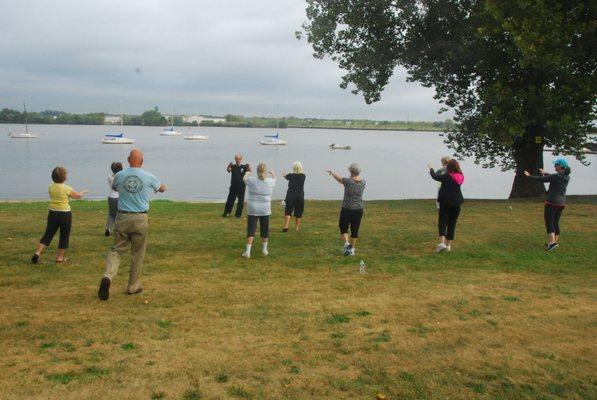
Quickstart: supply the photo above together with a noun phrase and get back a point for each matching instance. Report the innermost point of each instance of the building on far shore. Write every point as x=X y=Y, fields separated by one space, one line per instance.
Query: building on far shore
x=112 y=120
x=199 y=119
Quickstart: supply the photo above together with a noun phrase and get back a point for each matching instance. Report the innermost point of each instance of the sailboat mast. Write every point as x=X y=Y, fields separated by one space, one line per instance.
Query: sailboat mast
x=25 y=118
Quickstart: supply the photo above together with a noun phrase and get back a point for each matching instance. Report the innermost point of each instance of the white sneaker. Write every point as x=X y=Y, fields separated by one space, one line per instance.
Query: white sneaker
x=351 y=252
x=246 y=255
x=344 y=248
x=265 y=252
x=449 y=248
x=441 y=247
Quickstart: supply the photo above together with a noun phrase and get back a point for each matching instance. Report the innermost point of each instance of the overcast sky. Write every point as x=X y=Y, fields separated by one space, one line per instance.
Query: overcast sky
x=207 y=57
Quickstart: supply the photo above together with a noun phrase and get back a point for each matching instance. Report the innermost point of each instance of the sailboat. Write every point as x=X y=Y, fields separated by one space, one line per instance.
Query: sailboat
x=25 y=135
x=273 y=140
x=118 y=138
x=170 y=131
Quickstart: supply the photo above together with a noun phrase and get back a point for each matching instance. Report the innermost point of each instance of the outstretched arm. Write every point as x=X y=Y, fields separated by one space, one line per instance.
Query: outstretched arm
x=77 y=195
x=435 y=176
x=543 y=177
x=162 y=188
x=335 y=176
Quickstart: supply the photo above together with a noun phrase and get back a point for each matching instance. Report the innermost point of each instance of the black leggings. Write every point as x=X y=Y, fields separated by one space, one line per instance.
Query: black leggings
x=263 y=225
x=447 y=217
x=58 y=220
x=350 y=218
x=552 y=215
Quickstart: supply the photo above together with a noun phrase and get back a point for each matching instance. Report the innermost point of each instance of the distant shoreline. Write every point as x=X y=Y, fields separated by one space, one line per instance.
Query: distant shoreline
x=347 y=128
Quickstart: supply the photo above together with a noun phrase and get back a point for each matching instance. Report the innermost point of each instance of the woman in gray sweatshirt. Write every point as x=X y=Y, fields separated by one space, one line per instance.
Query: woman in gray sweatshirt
x=555 y=201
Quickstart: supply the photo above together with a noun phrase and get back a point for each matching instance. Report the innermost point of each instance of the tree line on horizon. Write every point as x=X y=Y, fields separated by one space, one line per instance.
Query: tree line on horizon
x=155 y=118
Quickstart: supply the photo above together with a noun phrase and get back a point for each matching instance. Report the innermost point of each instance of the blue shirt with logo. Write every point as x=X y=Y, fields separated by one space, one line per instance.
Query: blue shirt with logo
x=134 y=185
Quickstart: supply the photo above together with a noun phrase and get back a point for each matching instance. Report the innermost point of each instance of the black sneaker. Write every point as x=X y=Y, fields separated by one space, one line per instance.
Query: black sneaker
x=284 y=230
x=35 y=258
x=347 y=250
x=552 y=246
x=104 y=289
x=107 y=233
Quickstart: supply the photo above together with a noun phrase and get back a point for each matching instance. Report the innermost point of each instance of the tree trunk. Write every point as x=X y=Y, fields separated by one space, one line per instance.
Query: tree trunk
x=528 y=155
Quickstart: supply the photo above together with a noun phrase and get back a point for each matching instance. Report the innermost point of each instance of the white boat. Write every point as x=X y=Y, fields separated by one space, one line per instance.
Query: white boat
x=170 y=131
x=116 y=139
x=195 y=137
x=25 y=135
x=273 y=140
x=335 y=146
x=22 y=135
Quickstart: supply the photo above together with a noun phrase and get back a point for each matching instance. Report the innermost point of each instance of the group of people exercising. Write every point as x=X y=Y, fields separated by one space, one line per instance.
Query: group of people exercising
x=130 y=190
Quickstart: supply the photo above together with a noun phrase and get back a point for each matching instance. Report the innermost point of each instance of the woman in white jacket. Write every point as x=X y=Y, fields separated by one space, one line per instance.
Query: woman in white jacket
x=260 y=206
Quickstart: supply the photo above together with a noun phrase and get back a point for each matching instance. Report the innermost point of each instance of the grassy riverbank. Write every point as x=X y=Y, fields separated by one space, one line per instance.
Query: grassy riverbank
x=497 y=318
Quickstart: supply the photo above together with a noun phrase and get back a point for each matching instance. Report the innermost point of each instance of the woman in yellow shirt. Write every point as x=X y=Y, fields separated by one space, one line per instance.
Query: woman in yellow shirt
x=59 y=215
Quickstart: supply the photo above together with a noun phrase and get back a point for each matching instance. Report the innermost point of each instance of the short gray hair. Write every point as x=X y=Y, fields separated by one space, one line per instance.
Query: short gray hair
x=354 y=169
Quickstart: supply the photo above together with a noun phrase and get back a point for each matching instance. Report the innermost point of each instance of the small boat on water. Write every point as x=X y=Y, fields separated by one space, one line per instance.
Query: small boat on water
x=195 y=137
x=170 y=131
x=117 y=138
x=25 y=135
x=22 y=135
x=273 y=140
x=335 y=146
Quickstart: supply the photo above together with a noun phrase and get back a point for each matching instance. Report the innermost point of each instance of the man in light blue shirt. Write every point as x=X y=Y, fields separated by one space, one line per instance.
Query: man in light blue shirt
x=134 y=185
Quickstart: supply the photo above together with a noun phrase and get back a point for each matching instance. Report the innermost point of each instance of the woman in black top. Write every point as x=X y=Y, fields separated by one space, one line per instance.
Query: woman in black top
x=450 y=199
x=555 y=201
x=295 y=196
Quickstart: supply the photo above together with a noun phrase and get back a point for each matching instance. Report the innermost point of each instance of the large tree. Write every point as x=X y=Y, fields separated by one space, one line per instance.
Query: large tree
x=519 y=74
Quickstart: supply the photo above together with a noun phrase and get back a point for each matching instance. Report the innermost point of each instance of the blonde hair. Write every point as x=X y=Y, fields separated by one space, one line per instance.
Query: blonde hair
x=261 y=171
x=297 y=167
x=445 y=160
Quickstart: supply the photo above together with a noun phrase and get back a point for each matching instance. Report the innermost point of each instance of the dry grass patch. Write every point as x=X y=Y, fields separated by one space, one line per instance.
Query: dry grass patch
x=497 y=318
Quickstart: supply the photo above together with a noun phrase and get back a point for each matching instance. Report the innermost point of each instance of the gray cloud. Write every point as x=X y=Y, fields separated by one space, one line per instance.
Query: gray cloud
x=229 y=56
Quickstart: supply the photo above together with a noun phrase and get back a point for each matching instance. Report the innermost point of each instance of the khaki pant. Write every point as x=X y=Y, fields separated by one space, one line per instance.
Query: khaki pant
x=129 y=228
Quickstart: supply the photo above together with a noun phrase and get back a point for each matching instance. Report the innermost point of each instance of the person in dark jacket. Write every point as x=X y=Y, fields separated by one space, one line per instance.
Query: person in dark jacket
x=555 y=202
x=237 y=171
x=450 y=199
x=295 y=196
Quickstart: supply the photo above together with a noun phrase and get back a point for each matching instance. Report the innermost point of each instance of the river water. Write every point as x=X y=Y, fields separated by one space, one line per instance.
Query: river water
x=394 y=163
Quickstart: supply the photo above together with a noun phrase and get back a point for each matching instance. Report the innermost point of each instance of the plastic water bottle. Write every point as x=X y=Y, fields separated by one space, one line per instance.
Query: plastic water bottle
x=362 y=267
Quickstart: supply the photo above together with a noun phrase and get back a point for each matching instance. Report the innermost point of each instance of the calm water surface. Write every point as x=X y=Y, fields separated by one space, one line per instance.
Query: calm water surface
x=394 y=163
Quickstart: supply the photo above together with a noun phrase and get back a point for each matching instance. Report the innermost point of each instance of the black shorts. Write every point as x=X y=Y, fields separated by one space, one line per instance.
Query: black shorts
x=296 y=205
x=350 y=219
x=263 y=225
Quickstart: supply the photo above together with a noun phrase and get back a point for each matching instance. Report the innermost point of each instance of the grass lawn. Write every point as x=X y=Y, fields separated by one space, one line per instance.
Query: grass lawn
x=497 y=318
